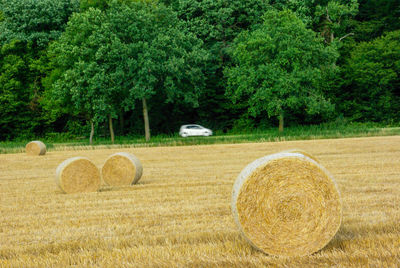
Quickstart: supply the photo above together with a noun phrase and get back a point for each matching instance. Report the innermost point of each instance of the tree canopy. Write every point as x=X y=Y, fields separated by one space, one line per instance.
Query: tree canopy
x=35 y=21
x=279 y=67
x=133 y=51
x=71 y=66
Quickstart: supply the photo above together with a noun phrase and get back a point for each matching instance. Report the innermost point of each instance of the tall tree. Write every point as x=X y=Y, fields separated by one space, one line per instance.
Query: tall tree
x=85 y=68
x=158 y=55
x=280 y=68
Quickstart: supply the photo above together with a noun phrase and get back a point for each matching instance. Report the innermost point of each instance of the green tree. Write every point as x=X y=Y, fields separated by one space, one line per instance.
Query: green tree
x=82 y=79
x=372 y=80
x=280 y=68
x=159 y=55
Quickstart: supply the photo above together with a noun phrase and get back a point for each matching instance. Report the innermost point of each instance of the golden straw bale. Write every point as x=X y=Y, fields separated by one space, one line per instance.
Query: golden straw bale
x=77 y=175
x=286 y=205
x=35 y=148
x=122 y=169
x=299 y=151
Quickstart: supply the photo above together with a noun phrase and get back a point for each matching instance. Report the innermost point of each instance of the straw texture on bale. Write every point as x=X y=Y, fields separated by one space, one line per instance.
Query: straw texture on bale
x=286 y=204
x=77 y=175
x=122 y=169
x=35 y=148
x=299 y=151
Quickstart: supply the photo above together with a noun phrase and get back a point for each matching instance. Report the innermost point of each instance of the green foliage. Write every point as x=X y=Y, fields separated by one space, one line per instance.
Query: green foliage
x=333 y=18
x=387 y=11
x=372 y=80
x=99 y=4
x=156 y=54
x=13 y=96
x=20 y=90
x=82 y=73
x=25 y=29
x=280 y=67
x=36 y=21
x=217 y=23
x=302 y=8
x=376 y=17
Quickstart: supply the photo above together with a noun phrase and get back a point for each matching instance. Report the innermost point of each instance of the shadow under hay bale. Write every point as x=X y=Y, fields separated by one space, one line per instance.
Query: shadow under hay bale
x=78 y=175
x=35 y=148
x=121 y=169
x=286 y=204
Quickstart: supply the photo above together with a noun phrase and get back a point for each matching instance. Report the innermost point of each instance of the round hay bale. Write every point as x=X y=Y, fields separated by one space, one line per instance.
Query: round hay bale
x=77 y=175
x=122 y=169
x=286 y=204
x=35 y=148
x=299 y=151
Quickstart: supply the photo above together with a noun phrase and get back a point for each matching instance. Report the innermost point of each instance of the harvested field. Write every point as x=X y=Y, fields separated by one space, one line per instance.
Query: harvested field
x=179 y=212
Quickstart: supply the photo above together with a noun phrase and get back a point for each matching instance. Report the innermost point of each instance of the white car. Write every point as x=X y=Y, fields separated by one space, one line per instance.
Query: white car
x=194 y=130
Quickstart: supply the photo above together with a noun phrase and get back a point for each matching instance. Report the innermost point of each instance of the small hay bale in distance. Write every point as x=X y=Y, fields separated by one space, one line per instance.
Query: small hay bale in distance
x=35 y=148
x=122 y=169
x=286 y=204
x=78 y=175
x=299 y=151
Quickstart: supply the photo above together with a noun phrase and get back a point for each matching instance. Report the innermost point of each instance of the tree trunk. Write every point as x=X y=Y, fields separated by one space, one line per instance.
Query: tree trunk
x=121 y=123
x=91 y=132
x=110 y=125
x=146 y=120
x=281 y=122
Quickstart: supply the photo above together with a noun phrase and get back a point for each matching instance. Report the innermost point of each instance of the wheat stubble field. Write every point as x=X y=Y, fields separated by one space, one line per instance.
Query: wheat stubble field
x=179 y=213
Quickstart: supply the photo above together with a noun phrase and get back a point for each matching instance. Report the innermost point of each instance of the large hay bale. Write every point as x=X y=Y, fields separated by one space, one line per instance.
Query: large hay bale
x=35 y=148
x=286 y=204
x=77 y=175
x=299 y=151
x=122 y=169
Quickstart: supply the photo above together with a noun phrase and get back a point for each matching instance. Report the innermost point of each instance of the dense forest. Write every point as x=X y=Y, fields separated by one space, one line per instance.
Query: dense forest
x=139 y=67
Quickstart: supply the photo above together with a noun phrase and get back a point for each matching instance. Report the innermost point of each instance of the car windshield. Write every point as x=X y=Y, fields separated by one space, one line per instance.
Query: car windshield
x=193 y=127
